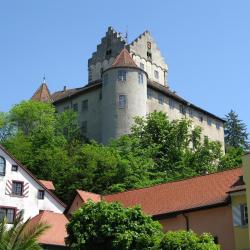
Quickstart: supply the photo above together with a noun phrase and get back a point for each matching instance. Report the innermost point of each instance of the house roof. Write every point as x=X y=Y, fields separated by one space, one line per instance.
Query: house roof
x=184 y=195
x=85 y=196
x=124 y=59
x=32 y=176
x=48 y=184
x=57 y=233
x=42 y=94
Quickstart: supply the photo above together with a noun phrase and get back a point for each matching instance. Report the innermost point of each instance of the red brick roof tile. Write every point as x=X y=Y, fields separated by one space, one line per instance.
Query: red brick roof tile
x=124 y=60
x=188 y=194
x=56 y=234
x=85 y=196
x=42 y=94
x=48 y=184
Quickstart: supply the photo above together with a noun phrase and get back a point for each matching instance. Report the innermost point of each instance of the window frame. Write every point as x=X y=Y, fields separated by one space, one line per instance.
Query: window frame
x=161 y=99
x=140 y=78
x=149 y=93
x=14 y=209
x=171 y=103
x=84 y=127
x=156 y=74
x=40 y=197
x=14 y=167
x=122 y=103
x=3 y=172
x=85 y=105
x=12 y=186
x=75 y=107
x=122 y=75
x=142 y=66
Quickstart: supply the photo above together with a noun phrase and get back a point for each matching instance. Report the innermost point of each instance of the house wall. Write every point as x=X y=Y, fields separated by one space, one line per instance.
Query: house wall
x=77 y=203
x=217 y=221
x=30 y=204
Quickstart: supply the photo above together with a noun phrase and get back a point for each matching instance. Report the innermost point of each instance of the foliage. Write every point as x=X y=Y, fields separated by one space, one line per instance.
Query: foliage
x=235 y=132
x=111 y=226
x=182 y=240
x=21 y=236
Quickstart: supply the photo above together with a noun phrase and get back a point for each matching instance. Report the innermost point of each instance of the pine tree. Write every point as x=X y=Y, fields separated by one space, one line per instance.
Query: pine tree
x=235 y=132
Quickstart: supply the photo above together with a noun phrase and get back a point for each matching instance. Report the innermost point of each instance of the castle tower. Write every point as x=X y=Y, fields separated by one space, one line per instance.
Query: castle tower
x=124 y=96
x=42 y=94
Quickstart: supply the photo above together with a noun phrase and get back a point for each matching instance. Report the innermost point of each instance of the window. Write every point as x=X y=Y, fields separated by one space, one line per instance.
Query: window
x=160 y=99
x=191 y=112
x=217 y=125
x=200 y=118
x=75 y=107
x=122 y=101
x=182 y=110
x=156 y=74
x=209 y=121
x=85 y=105
x=8 y=213
x=14 y=168
x=149 y=56
x=109 y=52
x=17 y=188
x=84 y=127
x=40 y=194
x=149 y=45
x=140 y=77
x=150 y=93
x=142 y=66
x=122 y=75
x=2 y=166
x=66 y=108
x=171 y=103
x=105 y=79
x=240 y=215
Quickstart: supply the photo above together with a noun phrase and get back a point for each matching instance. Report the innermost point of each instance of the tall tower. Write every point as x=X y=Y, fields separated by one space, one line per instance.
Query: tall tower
x=124 y=96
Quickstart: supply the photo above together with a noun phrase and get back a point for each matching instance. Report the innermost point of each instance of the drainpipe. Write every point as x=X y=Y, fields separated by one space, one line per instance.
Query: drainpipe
x=187 y=221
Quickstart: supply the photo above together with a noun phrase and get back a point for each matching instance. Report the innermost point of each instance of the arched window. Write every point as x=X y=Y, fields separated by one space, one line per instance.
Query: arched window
x=2 y=166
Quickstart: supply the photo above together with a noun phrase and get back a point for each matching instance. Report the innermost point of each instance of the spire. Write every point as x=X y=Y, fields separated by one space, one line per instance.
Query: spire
x=42 y=94
x=124 y=59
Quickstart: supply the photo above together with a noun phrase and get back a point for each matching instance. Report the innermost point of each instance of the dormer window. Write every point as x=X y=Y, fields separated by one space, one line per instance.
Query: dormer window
x=40 y=194
x=2 y=166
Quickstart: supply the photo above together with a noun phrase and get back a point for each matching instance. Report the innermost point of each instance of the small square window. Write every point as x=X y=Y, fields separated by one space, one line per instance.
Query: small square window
x=17 y=188
x=84 y=105
x=142 y=66
x=109 y=52
x=75 y=107
x=160 y=99
x=140 y=77
x=40 y=194
x=122 y=75
x=14 y=168
x=156 y=74
x=122 y=101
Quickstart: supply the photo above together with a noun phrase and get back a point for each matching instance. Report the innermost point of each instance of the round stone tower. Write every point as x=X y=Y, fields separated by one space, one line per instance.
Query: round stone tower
x=124 y=96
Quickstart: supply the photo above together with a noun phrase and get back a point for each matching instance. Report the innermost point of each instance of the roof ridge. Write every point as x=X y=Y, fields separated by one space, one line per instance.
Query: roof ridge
x=174 y=181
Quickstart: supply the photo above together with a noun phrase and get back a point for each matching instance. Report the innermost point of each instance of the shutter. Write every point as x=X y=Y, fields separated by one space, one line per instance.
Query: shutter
x=237 y=218
x=8 y=188
x=26 y=189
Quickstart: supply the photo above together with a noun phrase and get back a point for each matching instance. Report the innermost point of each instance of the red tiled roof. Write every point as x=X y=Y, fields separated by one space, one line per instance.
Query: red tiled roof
x=188 y=194
x=48 y=184
x=56 y=234
x=124 y=60
x=85 y=196
x=42 y=94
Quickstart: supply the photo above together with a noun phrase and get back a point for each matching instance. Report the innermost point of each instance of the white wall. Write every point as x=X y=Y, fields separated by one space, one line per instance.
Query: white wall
x=29 y=204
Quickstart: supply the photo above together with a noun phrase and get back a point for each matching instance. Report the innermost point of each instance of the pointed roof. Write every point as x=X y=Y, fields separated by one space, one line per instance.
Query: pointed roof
x=124 y=59
x=42 y=94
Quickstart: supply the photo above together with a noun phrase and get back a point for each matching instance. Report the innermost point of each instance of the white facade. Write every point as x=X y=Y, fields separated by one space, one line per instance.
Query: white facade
x=28 y=202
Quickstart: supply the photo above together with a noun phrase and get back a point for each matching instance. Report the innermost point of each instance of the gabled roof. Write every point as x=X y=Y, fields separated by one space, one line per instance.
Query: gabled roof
x=48 y=184
x=178 y=196
x=32 y=176
x=42 y=94
x=85 y=196
x=57 y=233
x=124 y=59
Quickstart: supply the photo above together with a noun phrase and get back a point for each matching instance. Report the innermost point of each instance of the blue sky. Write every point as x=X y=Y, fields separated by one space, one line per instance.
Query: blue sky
x=205 y=43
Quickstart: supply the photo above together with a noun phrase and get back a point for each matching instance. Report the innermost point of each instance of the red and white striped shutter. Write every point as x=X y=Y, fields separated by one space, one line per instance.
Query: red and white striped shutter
x=26 y=189
x=8 y=188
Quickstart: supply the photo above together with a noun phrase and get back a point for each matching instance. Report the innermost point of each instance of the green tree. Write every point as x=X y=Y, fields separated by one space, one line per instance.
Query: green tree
x=235 y=132
x=183 y=240
x=22 y=235
x=108 y=226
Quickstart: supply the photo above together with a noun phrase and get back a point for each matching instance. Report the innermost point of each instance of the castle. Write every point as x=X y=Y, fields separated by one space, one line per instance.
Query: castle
x=124 y=81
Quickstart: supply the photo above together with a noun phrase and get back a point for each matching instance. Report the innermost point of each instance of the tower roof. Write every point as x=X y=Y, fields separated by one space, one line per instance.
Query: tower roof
x=42 y=94
x=124 y=59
